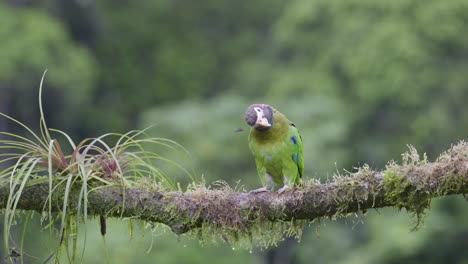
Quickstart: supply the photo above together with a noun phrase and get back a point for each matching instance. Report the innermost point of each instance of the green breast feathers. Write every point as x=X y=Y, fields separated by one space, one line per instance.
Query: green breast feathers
x=277 y=147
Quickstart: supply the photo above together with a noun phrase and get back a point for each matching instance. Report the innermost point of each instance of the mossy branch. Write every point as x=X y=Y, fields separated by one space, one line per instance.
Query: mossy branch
x=410 y=185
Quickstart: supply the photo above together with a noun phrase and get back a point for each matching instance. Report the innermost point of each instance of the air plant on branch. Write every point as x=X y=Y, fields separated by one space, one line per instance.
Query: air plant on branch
x=92 y=164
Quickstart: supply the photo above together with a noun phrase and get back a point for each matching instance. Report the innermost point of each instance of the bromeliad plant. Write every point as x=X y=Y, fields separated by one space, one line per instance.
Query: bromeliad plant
x=92 y=164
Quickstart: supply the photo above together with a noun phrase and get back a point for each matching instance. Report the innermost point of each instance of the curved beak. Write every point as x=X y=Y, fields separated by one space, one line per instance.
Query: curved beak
x=262 y=122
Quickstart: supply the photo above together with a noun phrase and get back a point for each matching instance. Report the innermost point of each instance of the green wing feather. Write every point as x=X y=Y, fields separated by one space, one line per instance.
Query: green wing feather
x=295 y=145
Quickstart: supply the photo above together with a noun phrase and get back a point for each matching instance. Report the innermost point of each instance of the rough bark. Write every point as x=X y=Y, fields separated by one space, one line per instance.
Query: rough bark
x=410 y=185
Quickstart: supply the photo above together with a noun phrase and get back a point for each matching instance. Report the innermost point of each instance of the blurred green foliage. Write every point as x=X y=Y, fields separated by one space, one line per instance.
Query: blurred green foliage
x=32 y=42
x=361 y=79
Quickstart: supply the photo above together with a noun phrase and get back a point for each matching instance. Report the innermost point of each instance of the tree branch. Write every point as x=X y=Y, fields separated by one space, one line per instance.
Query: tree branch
x=410 y=185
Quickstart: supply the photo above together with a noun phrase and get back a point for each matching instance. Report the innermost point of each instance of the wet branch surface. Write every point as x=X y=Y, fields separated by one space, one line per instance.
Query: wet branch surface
x=410 y=185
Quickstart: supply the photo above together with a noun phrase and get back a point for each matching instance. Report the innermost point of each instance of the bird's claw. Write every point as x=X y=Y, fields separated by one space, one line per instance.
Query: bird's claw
x=283 y=189
x=259 y=190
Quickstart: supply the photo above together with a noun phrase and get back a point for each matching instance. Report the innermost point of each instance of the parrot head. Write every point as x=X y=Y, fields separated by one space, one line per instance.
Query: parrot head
x=259 y=116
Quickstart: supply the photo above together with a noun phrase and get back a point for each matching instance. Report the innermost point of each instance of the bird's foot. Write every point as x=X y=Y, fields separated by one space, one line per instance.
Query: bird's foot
x=259 y=190
x=283 y=189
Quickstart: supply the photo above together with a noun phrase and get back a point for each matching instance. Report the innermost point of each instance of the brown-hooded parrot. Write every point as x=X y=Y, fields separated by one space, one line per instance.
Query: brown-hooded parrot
x=277 y=147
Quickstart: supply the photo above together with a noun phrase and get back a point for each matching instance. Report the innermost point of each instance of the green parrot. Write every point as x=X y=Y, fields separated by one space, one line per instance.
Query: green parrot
x=277 y=146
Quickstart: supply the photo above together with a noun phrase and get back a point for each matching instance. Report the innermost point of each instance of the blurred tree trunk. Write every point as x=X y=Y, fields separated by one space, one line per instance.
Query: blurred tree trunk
x=283 y=254
x=82 y=20
x=5 y=105
x=5 y=97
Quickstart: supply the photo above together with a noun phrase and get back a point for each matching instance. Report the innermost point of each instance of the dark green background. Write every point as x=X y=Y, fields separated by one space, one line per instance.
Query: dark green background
x=360 y=78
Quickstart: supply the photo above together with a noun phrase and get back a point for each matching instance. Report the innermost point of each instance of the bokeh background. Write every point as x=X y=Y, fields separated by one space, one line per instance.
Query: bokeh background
x=360 y=78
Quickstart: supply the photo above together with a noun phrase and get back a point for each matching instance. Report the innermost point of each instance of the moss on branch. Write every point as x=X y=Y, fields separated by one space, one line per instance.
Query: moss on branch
x=409 y=185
